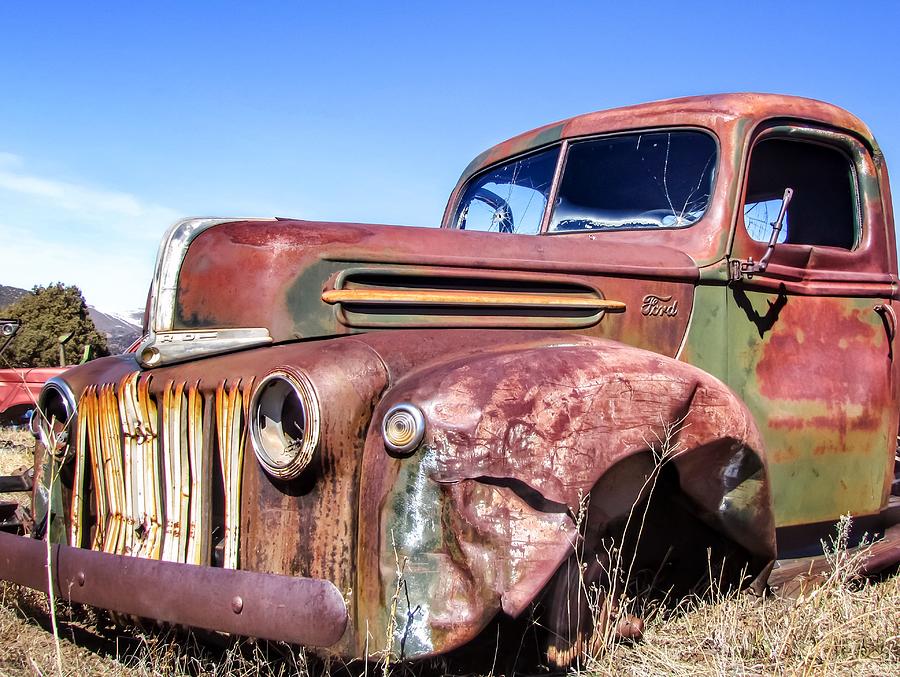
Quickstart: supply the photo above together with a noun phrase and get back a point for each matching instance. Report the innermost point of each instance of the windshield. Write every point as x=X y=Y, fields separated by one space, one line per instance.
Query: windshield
x=510 y=198
x=635 y=181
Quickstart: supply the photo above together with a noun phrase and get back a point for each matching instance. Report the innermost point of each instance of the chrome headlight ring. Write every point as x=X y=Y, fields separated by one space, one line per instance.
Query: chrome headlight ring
x=55 y=412
x=285 y=422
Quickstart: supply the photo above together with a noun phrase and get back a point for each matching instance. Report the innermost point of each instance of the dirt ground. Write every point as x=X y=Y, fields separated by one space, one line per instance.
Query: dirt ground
x=846 y=626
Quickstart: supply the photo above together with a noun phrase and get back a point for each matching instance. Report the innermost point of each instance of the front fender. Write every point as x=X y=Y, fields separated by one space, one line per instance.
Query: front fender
x=481 y=516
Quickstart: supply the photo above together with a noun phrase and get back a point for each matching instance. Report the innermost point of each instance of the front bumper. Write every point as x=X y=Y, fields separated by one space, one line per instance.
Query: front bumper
x=291 y=609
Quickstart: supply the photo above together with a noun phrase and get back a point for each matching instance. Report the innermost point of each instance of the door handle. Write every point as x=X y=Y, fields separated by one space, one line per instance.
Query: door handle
x=889 y=318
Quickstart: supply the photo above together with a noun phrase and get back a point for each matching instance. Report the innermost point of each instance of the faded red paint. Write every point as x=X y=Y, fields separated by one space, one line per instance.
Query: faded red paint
x=555 y=430
x=822 y=329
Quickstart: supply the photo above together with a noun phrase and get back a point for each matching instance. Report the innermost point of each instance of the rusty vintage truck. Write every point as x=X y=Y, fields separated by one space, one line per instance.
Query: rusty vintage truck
x=660 y=335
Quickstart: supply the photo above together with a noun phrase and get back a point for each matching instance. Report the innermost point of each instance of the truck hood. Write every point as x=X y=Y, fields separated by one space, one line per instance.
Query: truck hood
x=222 y=285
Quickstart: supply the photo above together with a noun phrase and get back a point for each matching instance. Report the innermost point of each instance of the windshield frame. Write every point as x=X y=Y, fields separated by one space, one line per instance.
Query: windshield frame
x=564 y=145
x=453 y=213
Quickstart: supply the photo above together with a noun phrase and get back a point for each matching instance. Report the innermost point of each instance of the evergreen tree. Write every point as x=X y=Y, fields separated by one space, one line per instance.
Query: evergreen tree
x=47 y=314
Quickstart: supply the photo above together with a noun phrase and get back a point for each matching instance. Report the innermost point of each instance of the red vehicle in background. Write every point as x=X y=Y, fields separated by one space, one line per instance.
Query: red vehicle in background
x=20 y=387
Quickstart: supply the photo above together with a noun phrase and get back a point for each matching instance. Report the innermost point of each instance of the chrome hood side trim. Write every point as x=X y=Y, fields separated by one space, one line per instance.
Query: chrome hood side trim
x=164 y=345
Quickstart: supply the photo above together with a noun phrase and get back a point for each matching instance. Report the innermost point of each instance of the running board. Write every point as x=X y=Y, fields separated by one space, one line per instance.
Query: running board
x=792 y=577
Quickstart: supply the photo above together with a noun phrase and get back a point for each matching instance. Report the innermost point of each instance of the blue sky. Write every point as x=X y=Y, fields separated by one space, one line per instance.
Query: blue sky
x=118 y=118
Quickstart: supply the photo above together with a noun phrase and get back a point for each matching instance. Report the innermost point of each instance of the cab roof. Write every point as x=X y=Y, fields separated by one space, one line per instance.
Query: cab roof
x=715 y=112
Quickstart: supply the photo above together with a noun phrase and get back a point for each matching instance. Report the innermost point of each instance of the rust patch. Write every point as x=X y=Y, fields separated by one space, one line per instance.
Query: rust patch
x=839 y=341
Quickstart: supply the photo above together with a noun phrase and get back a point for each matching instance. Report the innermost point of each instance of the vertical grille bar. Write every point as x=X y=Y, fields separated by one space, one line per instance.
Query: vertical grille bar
x=199 y=491
x=176 y=472
x=229 y=413
x=89 y=409
x=118 y=525
x=76 y=524
x=149 y=426
x=133 y=476
x=180 y=455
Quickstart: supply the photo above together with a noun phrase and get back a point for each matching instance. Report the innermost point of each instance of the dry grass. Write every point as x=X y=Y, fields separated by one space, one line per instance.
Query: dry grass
x=845 y=626
x=841 y=624
x=840 y=629
x=16 y=448
x=16 y=453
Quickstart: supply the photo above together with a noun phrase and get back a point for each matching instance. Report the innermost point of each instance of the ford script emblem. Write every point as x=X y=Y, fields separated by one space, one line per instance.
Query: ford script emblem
x=657 y=306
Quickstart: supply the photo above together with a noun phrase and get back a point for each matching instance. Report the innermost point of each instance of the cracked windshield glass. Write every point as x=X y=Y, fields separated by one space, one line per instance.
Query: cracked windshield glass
x=510 y=198
x=635 y=181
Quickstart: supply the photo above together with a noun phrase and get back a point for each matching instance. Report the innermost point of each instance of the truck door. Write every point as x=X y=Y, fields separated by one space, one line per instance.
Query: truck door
x=810 y=340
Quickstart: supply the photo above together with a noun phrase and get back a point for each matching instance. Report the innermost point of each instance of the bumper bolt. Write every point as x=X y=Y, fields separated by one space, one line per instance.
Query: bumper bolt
x=237 y=604
x=80 y=579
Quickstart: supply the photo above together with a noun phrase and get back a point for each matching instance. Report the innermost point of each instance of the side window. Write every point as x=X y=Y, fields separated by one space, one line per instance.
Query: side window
x=510 y=198
x=824 y=210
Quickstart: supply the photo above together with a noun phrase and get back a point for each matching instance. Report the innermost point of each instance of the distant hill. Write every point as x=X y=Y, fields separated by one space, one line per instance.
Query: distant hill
x=134 y=317
x=120 y=332
x=9 y=295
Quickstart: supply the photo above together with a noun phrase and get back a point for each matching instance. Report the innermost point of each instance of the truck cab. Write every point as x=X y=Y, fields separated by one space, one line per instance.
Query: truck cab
x=808 y=342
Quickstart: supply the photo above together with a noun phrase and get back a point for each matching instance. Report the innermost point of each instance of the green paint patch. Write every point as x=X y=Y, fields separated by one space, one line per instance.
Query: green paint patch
x=311 y=316
x=811 y=370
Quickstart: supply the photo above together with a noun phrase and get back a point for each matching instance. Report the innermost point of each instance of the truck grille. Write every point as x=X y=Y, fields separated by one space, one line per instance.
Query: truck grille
x=158 y=472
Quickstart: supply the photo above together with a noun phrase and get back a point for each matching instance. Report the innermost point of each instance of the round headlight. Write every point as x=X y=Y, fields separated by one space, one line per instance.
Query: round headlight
x=55 y=416
x=284 y=422
x=403 y=428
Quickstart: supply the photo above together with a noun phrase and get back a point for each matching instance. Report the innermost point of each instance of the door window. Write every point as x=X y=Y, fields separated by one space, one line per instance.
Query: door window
x=824 y=210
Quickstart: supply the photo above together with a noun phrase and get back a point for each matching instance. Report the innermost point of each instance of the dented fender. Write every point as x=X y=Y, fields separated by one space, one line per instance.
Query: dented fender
x=479 y=518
